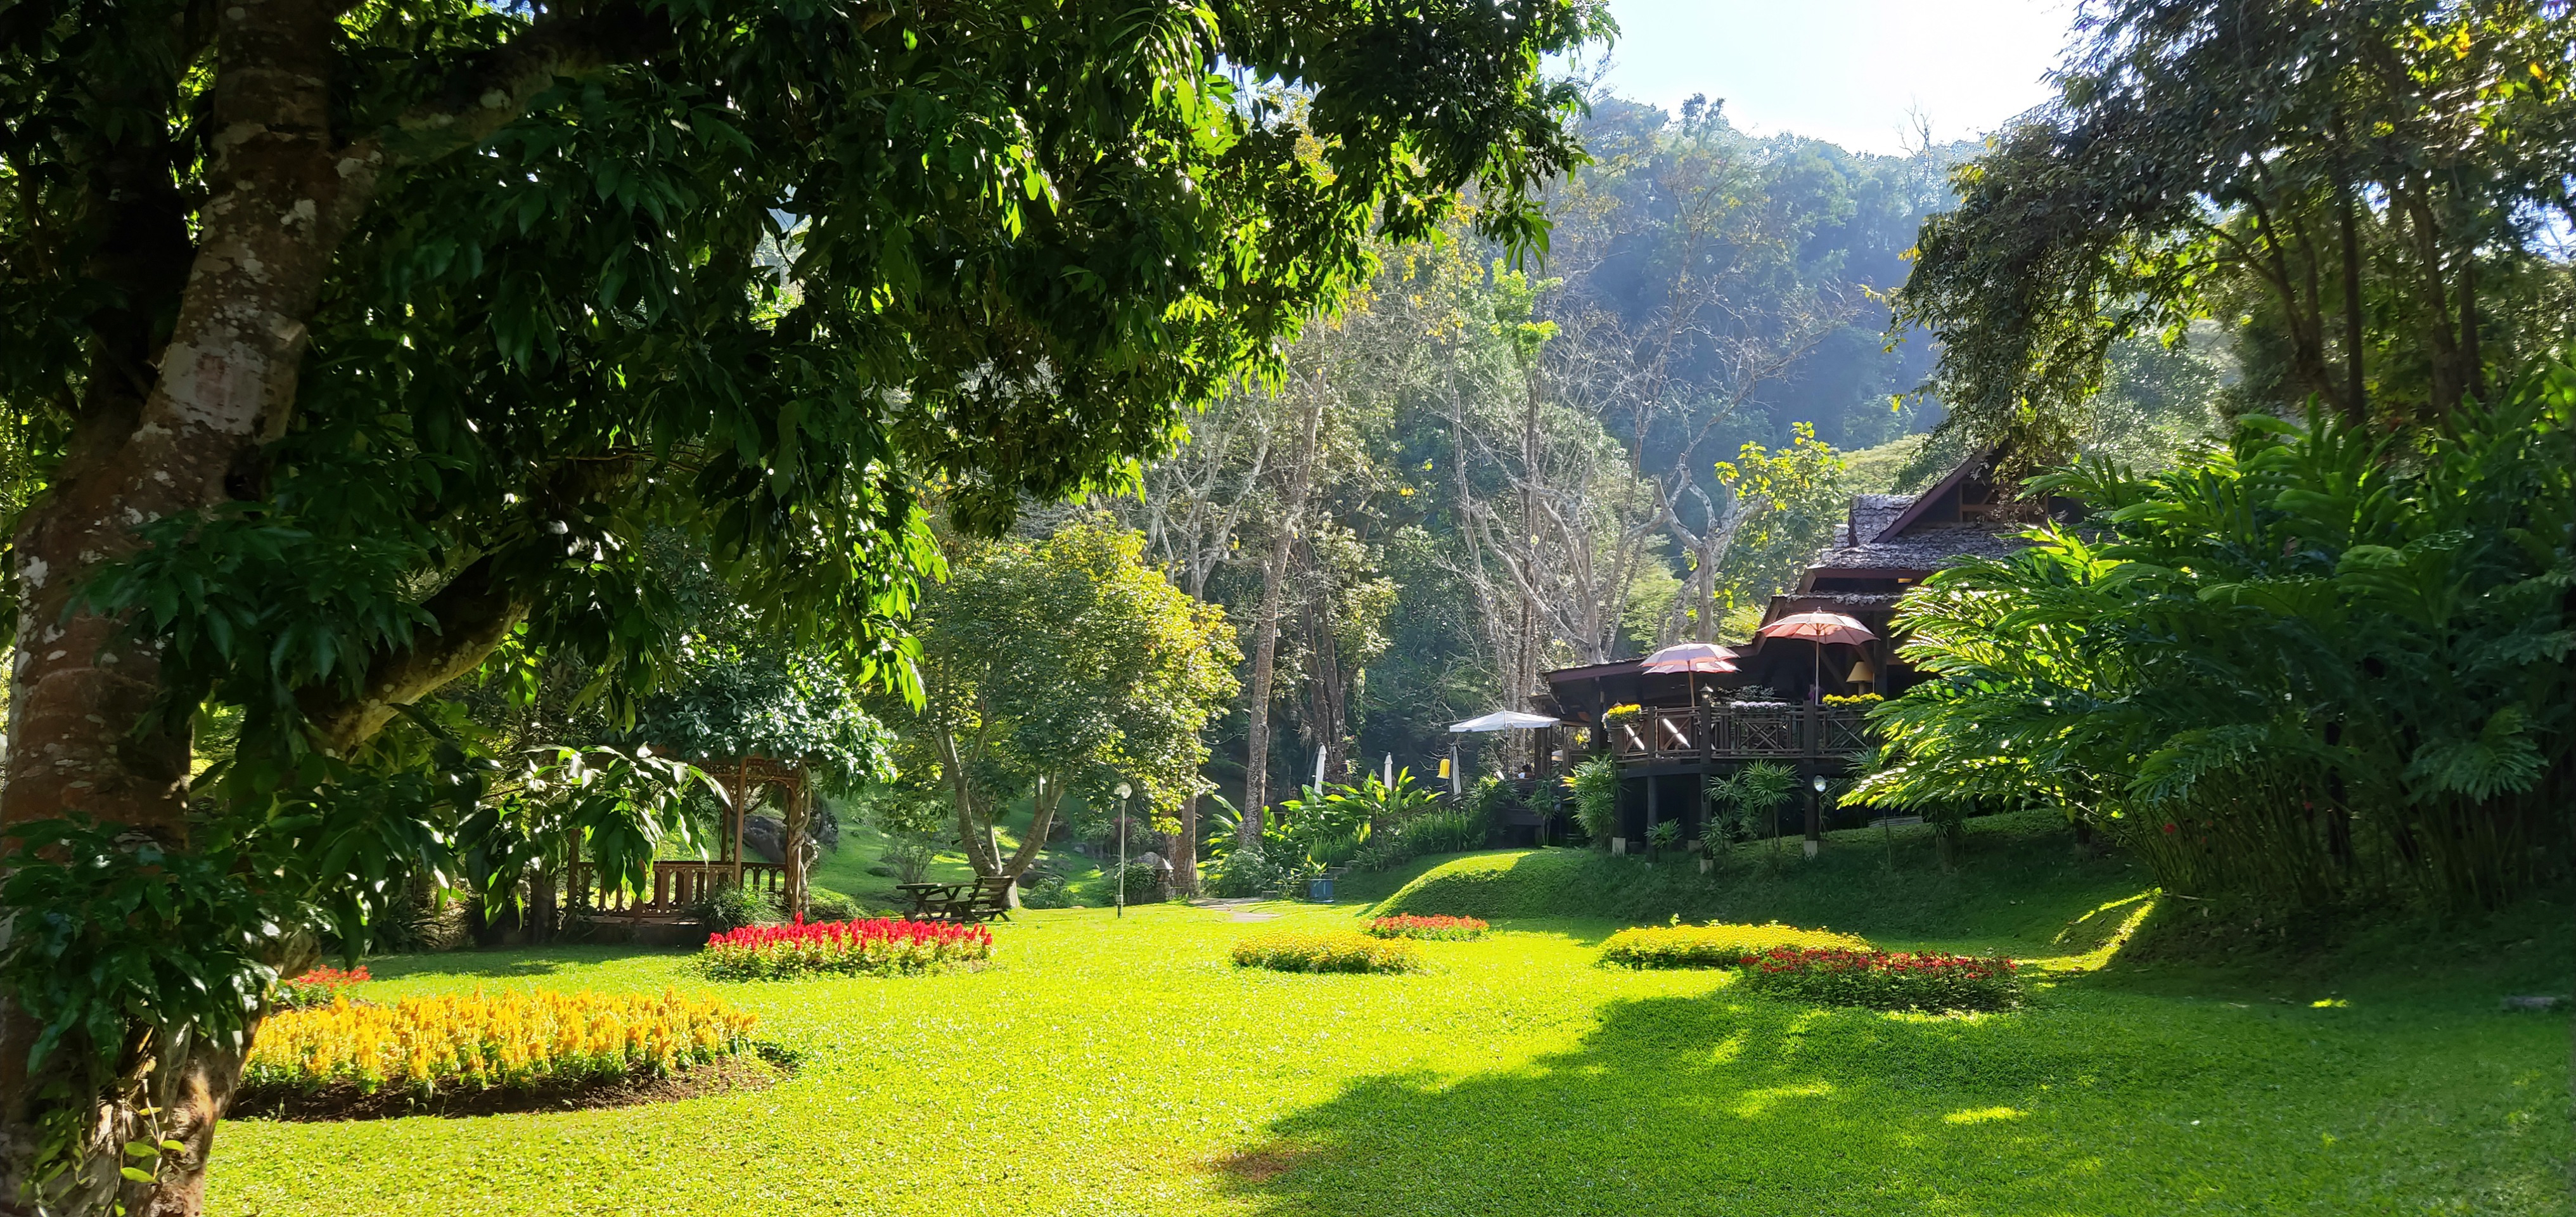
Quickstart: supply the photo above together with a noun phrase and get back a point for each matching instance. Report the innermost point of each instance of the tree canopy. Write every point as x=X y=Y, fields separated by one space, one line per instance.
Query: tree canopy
x=1062 y=665
x=2360 y=190
x=349 y=346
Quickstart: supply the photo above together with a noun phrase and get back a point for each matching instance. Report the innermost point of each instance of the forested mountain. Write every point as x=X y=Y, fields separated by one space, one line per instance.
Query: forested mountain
x=1478 y=472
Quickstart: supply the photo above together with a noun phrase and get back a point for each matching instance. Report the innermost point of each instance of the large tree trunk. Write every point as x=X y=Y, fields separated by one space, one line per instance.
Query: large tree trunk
x=226 y=381
x=170 y=425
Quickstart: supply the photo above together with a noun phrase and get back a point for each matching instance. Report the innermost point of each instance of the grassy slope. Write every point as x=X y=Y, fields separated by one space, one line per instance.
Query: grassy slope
x=2019 y=883
x=845 y=870
x=1121 y=1067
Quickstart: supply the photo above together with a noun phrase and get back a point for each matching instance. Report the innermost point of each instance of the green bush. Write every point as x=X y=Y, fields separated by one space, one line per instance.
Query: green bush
x=1144 y=885
x=1045 y=890
x=1713 y=945
x=1450 y=830
x=1250 y=872
x=910 y=856
x=1447 y=830
x=1595 y=786
x=1882 y=980
x=729 y=908
x=1746 y=804
x=824 y=904
x=1327 y=951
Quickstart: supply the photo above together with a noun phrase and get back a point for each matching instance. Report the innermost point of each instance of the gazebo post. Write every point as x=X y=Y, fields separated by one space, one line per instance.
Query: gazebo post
x=741 y=799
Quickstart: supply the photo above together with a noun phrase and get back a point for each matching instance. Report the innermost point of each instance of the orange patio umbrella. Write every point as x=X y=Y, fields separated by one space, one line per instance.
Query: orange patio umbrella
x=1819 y=628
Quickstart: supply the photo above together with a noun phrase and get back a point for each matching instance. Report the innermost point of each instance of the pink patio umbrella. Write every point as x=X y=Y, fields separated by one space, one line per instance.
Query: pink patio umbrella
x=1819 y=628
x=1691 y=657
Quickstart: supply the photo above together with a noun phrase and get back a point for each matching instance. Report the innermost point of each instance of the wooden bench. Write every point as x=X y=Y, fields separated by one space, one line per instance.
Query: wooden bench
x=983 y=900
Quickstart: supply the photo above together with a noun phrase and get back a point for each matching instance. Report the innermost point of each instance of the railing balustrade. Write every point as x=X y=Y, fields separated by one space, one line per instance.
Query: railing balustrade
x=674 y=887
x=1736 y=731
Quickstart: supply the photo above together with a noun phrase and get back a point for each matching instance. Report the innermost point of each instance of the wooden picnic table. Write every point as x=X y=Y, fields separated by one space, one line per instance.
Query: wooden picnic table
x=921 y=894
x=979 y=900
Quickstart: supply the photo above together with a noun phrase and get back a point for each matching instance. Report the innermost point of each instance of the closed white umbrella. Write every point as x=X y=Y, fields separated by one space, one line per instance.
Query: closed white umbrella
x=1503 y=720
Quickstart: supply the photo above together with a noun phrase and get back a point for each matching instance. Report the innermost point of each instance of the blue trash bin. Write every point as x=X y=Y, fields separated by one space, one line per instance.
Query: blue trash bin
x=1319 y=890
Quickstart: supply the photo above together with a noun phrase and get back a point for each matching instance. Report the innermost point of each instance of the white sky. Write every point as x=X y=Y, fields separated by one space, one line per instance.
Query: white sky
x=1843 y=70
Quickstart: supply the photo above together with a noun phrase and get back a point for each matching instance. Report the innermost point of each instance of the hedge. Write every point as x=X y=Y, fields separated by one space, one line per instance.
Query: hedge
x=1883 y=980
x=1714 y=945
x=1329 y=951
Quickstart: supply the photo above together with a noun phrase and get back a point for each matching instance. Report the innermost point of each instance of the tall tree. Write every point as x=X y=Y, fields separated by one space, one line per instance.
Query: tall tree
x=1310 y=381
x=356 y=341
x=1061 y=664
x=2369 y=183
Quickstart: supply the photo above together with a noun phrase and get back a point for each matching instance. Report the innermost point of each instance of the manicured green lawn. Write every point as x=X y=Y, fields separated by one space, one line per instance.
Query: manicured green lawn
x=1108 y=1067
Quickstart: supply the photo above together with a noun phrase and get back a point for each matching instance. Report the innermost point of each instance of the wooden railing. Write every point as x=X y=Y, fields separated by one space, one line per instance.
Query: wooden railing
x=676 y=886
x=1736 y=732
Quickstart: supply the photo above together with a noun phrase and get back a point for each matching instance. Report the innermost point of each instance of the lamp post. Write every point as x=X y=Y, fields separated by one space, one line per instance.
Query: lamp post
x=1123 y=791
x=1815 y=816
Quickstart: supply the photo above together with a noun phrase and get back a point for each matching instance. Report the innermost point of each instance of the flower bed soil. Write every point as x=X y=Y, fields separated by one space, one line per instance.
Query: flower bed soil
x=346 y=1101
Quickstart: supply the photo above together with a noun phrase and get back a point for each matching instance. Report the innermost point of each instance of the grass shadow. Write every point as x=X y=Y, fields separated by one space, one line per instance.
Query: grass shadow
x=1742 y=1107
x=507 y=963
x=1690 y=1105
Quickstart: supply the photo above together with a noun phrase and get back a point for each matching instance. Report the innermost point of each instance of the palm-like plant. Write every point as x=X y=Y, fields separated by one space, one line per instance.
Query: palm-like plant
x=2306 y=666
x=1746 y=803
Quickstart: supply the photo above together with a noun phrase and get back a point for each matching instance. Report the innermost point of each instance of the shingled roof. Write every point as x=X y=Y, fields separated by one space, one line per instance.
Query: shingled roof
x=1908 y=536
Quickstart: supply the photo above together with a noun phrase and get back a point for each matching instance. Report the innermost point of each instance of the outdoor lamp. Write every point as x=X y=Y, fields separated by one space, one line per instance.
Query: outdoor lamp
x=1820 y=783
x=1862 y=673
x=1123 y=791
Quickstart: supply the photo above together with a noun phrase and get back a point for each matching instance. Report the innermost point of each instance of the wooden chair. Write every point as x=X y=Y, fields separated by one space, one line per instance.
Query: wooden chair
x=985 y=899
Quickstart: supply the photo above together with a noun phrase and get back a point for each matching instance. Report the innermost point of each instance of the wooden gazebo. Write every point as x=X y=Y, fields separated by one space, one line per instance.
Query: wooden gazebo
x=679 y=883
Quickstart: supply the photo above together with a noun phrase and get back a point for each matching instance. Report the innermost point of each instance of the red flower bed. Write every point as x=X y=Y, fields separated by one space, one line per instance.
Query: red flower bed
x=1439 y=928
x=1887 y=980
x=319 y=986
x=875 y=947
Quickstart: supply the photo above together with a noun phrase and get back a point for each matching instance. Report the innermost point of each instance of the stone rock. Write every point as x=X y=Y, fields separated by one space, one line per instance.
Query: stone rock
x=763 y=838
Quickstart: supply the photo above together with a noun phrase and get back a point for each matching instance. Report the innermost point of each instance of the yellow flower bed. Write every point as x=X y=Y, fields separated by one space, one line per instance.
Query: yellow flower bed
x=485 y=1040
x=1715 y=945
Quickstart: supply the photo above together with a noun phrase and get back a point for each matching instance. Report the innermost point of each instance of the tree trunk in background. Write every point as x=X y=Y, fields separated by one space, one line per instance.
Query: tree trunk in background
x=973 y=836
x=795 y=821
x=1327 y=685
x=1265 y=627
x=1043 y=801
x=1185 y=851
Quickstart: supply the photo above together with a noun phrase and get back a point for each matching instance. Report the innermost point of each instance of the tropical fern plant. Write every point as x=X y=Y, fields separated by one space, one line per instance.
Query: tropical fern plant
x=2312 y=665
